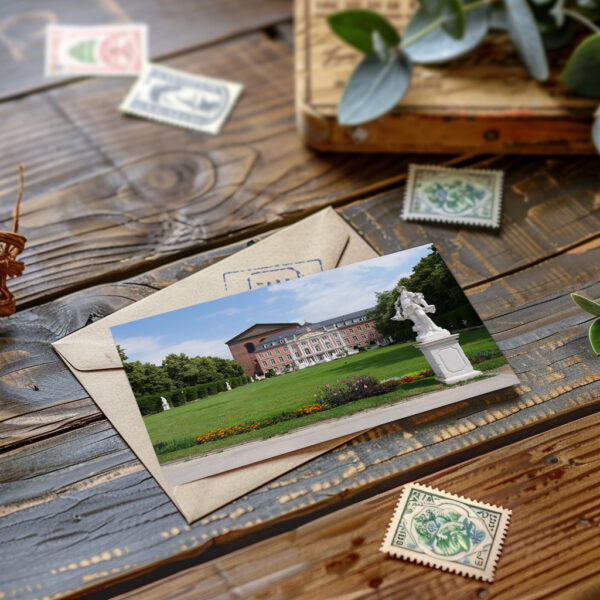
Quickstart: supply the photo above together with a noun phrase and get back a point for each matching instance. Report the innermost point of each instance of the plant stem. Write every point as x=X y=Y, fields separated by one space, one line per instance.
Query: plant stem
x=438 y=22
x=583 y=20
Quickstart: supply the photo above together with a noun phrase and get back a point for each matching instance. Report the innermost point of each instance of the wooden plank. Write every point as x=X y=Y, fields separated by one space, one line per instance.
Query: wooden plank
x=105 y=501
x=161 y=191
x=548 y=481
x=145 y=193
x=483 y=102
x=40 y=395
x=549 y=207
x=172 y=29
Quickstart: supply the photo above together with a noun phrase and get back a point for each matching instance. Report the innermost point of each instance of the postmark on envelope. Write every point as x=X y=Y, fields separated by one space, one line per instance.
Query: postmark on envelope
x=96 y=49
x=171 y=96
x=446 y=195
x=242 y=280
x=447 y=532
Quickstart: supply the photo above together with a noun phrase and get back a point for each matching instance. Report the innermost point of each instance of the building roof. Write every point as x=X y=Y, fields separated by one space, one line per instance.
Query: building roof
x=260 y=328
x=311 y=327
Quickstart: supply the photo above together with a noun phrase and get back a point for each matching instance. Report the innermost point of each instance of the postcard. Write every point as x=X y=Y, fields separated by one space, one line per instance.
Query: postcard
x=295 y=362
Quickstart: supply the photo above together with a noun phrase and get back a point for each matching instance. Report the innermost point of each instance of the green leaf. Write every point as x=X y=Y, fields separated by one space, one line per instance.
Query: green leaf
x=374 y=88
x=526 y=37
x=588 y=305
x=595 y=336
x=356 y=27
x=438 y=46
x=450 y=12
x=582 y=71
x=596 y=133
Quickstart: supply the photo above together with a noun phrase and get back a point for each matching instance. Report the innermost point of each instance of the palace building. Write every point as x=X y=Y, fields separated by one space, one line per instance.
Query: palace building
x=290 y=346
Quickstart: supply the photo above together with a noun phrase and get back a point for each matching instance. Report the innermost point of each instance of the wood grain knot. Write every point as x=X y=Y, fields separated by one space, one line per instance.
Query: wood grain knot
x=341 y=565
x=178 y=176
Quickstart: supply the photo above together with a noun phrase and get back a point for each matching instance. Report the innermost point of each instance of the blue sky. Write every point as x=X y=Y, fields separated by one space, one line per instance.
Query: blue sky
x=202 y=330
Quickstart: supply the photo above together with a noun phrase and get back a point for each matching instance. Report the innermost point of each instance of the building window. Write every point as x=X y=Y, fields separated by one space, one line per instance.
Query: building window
x=297 y=353
x=288 y=356
x=363 y=336
x=355 y=338
x=350 y=330
x=273 y=362
x=281 y=359
x=269 y=353
x=277 y=351
x=328 y=345
x=372 y=335
x=367 y=326
x=265 y=364
x=345 y=334
x=317 y=348
x=359 y=327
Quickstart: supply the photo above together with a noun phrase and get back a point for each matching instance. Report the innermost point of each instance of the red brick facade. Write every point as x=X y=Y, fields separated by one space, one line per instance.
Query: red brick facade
x=242 y=345
x=285 y=346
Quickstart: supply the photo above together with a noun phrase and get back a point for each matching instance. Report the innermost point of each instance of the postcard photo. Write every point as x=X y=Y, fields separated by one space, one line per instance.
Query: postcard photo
x=259 y=374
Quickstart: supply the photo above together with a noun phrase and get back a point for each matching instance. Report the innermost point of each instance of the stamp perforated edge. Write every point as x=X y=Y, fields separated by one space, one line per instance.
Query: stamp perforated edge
x=440 y=563
x=48 y=72
x=493 y=222
x=237 y=89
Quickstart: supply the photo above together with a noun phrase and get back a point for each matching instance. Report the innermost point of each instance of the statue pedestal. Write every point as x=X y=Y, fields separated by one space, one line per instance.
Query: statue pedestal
x=448 y=360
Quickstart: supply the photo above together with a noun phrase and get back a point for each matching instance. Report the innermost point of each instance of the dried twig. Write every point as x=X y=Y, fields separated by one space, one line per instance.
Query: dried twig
x=11 y=245
x=18 y=204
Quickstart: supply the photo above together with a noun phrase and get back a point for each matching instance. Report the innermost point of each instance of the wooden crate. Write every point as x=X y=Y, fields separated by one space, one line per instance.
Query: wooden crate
x=482 y=102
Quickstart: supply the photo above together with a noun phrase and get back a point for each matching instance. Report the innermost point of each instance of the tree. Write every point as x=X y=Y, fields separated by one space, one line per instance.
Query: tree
x=433 y=279
x=177 y=371
x=227 y=368
x=383 y=313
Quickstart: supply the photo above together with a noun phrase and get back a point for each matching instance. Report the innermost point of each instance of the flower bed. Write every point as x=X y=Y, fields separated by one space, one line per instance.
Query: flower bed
x=483 y=355
x=327 y=397
x=224 y=432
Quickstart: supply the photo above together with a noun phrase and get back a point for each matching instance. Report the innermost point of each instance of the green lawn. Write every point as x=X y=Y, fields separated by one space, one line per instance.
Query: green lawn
x=271 y=397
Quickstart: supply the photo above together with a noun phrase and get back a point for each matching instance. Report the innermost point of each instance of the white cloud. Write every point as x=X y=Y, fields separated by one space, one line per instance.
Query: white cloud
x=149 y=349
x=318 y=300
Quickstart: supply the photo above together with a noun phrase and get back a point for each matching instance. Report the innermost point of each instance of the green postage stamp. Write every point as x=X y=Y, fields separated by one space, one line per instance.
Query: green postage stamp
x=448 y=532
x=461 y=196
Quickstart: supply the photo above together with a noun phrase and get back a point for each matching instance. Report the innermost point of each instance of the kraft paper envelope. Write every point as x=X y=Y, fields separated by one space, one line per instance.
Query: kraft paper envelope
x=320 y=242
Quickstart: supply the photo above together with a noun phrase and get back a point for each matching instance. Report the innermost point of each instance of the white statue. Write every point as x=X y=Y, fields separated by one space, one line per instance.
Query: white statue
x=165 y=404
x=414 y=307
x=228 y=386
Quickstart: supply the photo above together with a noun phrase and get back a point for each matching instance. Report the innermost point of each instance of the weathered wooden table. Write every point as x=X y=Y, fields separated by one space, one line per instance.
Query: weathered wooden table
x=117 y=208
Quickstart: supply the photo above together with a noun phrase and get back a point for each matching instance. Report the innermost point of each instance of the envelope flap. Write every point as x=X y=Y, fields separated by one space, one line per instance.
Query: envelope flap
x=318 y=243
x=95 y=354
x=313 y=245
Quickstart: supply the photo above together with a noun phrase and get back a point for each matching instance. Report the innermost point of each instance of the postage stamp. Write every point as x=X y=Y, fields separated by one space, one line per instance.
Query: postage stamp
x=446 y=195
x=192 y=101
x=447 y=532
x=96 y=49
